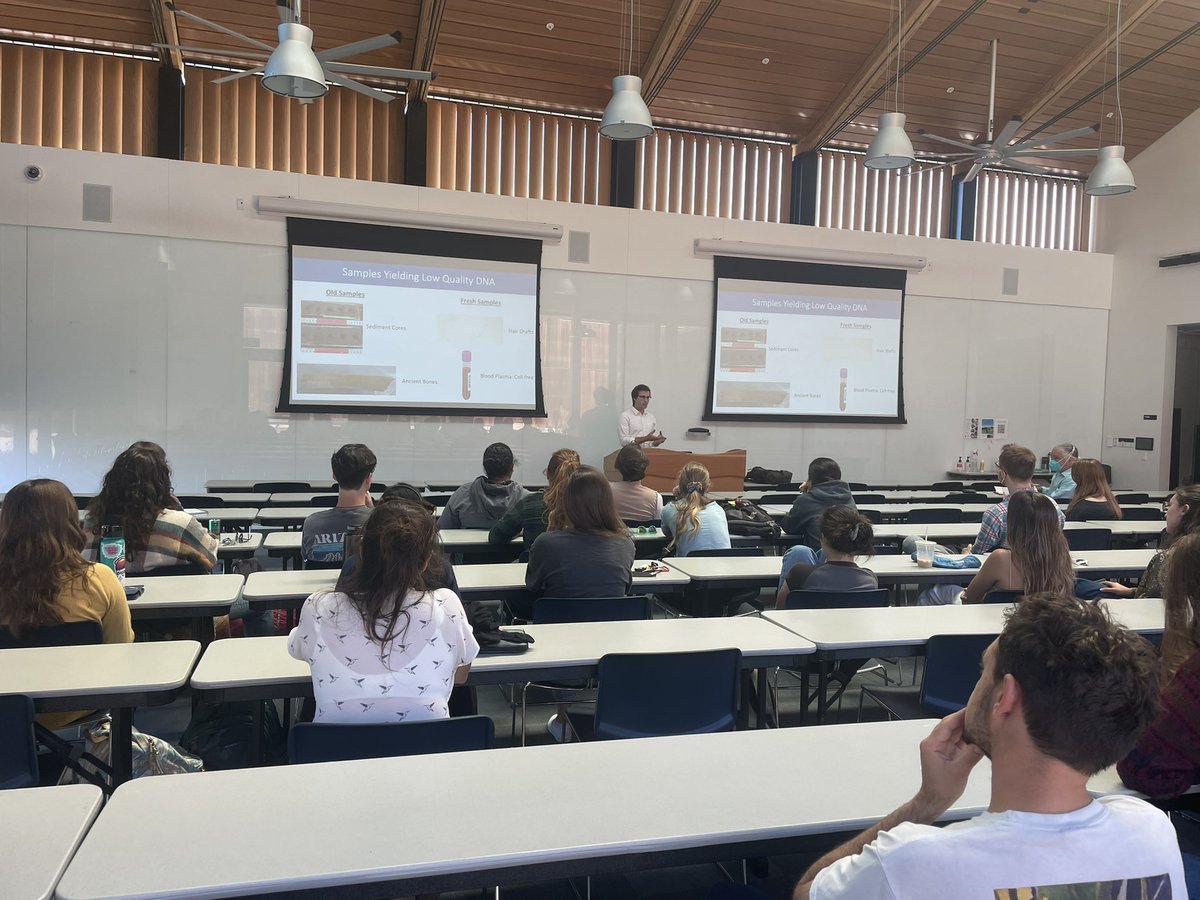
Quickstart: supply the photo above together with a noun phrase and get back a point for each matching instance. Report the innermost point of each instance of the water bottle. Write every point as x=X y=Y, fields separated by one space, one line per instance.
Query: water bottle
x=112 y=550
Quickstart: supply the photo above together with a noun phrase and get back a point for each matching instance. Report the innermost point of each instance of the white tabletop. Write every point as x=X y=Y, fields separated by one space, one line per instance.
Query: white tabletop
x=97 y=670
x=950 y=531
x=175 y=592
x=40 y=828
x=288 y=585
x=235 y=498
x=311 y=824
x=239 y=543
x=287 y=514
x=727 y=568
x=264 y=662
x=227 y=514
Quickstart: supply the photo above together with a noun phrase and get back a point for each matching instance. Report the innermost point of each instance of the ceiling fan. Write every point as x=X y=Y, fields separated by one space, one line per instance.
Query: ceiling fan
x=998 y=151
x=292 y=68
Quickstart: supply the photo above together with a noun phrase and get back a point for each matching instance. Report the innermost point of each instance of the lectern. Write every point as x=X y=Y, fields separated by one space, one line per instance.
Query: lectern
x=727 y=470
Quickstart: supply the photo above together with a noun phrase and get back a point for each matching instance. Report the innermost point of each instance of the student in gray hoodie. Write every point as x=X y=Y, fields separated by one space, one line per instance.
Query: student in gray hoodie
x=823 y=489
x=482 y=502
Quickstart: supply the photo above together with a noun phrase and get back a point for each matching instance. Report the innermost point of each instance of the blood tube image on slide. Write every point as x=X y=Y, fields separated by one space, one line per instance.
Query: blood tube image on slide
x=466 y=372
x=842 y=393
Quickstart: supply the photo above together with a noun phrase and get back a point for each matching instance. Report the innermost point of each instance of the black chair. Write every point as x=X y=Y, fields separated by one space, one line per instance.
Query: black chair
x=933 y=515
x=1141 y=514
x=972 y=515
x=1089 y=538
x=67 y=634
x=859 y=486
x=18 y=750
x=729 y=551
x=325 y=501
x=961 y=497
x=1003 y=596
x=777 y=498
x=946 y=486
x=656 y=694
x=1132 y=499
x=869 y=498
x=875 y=516
x=312 y=742
x=951 y=670
x=323 y=563
x=200 y=501
x=281 y=487
x=838 y=599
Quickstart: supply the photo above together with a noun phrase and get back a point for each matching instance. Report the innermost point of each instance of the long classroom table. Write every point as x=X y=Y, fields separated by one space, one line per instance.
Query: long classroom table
x=630 y=804
x=196 y=598
x=41 y=828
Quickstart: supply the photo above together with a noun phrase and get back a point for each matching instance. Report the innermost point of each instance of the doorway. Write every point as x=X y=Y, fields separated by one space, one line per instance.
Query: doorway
x=1185 y=421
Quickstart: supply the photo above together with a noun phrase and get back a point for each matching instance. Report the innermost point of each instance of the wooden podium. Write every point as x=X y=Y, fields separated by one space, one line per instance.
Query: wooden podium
x=727 y=470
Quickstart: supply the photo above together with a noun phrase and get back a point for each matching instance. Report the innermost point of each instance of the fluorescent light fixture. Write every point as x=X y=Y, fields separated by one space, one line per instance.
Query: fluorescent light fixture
x=626 y=118
x=413 y=218
x=1112 y=174
x=891 y=148
x=293 y=70
x=722 y=247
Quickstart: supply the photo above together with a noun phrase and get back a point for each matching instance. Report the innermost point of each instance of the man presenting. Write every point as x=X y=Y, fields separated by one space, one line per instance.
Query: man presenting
x=1064 y=693
x=636 y=425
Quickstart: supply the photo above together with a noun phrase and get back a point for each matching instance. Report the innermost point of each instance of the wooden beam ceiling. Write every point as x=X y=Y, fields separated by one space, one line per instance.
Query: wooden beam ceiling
x=669 y=45
x=874 y=69
x=429 y=27
x=166 y=31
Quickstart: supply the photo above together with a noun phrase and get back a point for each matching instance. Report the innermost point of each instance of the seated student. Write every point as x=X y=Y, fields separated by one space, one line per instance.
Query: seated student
x=823 y=489
x=529 y=515
x=136 y=494
x=481 y=503
x=1183 y=518
x=1093 y=500
x=1062 y=464
x=845 y=534
x=1036 y=560
x=1015 y=469
x=389 y=648
x=44 y=579
x=635 y=501
x=586 y=550
x=693 y=522
x=324 y=535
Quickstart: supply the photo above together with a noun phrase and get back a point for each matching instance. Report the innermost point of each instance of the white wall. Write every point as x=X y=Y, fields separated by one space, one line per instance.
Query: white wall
x=1159 y=219
x=164 y=325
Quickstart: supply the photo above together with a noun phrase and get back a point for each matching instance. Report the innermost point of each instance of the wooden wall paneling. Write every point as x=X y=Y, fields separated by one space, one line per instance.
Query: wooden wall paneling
x=93 y=102
x=563 y=148
x=269 y=128
x=513 y=136
x=549 y=158
x=522 y=137
x=495 y=123
x=193 y=111
x=537 y=157
x=328 y=110
x=133 y=106
x=581 y=165
x=31 y=96
x=51 y=99
x=246 y=90
x=314 y=136
x=449 y=149
x=433 y=143
x=111 y=109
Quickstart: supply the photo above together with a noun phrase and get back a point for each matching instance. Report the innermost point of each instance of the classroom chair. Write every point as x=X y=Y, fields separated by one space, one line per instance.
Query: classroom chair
x=1003 y=596
x=18 y=750
x=960 y=498
x=162 y=571
x=323 y=501
x=282 y=487
x=656 y=694
x=951 y=670
x=933 y=515
x=947 y=486
x=1141 y=514
x=874 y=516
x=1132 y=499
x=869 y=498
x=200 y=501
x=1089 y=539
x=777 y=498
x=322 y=564
x=311 y=742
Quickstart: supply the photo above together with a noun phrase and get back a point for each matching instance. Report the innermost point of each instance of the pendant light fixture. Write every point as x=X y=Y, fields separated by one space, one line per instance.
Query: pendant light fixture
x=891 y=148
x=293 y=70
x=1112 y=174
x=627 y=118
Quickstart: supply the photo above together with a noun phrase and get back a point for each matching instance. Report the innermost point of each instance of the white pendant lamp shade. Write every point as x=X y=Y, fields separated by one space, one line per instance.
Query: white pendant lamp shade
x=891 y=148
x=293 y=69
x=626 y=118
x=1111 y=175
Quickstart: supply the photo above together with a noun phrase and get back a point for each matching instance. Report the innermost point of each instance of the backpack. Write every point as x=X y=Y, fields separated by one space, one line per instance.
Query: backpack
x=759 y=475
x=746 y=518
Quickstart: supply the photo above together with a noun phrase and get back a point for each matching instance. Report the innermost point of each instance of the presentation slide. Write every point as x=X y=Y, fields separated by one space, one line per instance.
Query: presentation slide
x=806 y=350
x=392 y=331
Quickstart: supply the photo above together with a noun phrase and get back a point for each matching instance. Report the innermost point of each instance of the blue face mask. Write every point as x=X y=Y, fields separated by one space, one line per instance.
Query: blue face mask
x=1055 y=466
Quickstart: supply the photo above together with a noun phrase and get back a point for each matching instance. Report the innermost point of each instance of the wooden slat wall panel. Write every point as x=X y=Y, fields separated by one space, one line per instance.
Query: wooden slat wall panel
x=852 y=196
x=44 y=92
x=1032 y=211
x=344 y=134
x=516 y=153
x=678 y=171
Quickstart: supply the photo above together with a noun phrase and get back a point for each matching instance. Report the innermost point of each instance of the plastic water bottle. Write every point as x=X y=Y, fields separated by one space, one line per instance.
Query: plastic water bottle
x=958 y=465
x=112 y=550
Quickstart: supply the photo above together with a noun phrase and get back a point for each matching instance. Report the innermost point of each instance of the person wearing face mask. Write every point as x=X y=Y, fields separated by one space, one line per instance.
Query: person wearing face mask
x=1183 y=518
x=1062 y=482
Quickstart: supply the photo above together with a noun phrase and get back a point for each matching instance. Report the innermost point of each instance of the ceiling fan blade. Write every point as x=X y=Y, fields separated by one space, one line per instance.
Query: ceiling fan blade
x=1024 y=167
x=1006 y=134
x=918 y=169
x=1083 y=151
x=379 y=71
x=360 y=88
x=215 y=27
x=364 y=46
x=973 y=173
x=215 y=51
x=236 y=75
x=945 y=140
x=1065 y=136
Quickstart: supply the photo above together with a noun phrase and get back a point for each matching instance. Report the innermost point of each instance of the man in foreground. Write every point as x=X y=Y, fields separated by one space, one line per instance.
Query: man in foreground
x=1064 y=693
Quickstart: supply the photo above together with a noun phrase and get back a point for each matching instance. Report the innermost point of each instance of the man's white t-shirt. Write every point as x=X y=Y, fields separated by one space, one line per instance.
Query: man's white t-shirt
x=998 y=855
x=357 y=680
x=634 y=424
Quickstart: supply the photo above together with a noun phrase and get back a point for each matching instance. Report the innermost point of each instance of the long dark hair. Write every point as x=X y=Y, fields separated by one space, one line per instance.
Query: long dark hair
x=1181 y=594
x=588 y=504
x=1038 y=546
x=1189 y=496
x=398 y=542
x=1090 y=482
x=135 y=492
x=40 y=544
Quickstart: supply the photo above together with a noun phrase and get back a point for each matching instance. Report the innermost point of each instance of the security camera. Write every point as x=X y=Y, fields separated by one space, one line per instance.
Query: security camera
x=34 y=173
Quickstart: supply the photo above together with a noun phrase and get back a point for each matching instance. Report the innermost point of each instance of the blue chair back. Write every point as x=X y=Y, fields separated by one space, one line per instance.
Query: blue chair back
x=66 y=634
x=934 y=514
x=555 y=611
x=838 y=599
x=868 y=498
x=1089 y=538
x=655 y=694
x=1132 y=499
x=323 y=563
x=282 y=487
x=1003 y=596
x=312 y=742
x=1141 y=514
x=951 y=670
x=778 y=498
x=875 y=516
x=18 y=750
x=200 y=501
x=324 y=501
